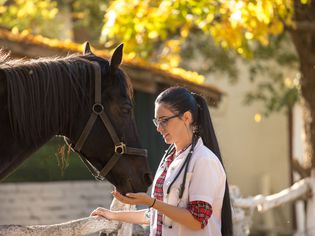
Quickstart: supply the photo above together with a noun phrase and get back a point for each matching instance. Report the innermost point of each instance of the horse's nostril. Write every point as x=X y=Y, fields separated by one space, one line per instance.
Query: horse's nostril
x=148 y=179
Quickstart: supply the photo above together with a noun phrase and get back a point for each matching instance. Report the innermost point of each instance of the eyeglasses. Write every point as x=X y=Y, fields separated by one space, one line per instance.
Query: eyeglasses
x=163 y=122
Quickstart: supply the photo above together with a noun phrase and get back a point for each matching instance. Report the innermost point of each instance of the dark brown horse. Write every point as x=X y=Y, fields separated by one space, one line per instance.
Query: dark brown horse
x=85 y=98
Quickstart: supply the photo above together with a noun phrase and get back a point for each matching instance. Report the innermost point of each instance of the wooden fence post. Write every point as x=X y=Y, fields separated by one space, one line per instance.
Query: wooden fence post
x=310 y=212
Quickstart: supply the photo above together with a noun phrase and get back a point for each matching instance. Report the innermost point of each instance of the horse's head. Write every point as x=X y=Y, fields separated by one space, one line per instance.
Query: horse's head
x=105 y=133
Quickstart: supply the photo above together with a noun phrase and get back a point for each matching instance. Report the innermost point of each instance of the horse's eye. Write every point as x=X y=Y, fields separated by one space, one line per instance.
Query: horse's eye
x=125 y=110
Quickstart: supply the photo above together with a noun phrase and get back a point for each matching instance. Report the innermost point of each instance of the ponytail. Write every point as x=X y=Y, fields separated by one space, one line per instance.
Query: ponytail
x=206 y=132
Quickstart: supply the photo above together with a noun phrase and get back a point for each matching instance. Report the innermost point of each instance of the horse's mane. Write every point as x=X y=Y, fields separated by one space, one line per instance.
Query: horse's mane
x=42 y=93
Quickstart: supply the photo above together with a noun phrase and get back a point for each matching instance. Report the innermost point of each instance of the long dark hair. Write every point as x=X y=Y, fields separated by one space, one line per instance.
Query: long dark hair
x=180 y=100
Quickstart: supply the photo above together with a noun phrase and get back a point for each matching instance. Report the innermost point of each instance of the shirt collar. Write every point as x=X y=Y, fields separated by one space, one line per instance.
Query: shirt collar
x=185 y=153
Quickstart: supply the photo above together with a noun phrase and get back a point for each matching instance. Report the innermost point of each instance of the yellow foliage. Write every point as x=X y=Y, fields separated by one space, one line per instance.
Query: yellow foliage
x=249 y=35
x=15 y=30
x=27 y=14
x=232 y=24
x=3 y=9
x=184 y=32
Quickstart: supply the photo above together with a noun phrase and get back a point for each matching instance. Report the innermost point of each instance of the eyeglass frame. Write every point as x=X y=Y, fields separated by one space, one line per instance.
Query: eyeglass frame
x=163 y=122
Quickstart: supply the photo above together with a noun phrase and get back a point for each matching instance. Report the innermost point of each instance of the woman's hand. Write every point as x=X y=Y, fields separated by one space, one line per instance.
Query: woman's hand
x=134 y=198
x=100 y=211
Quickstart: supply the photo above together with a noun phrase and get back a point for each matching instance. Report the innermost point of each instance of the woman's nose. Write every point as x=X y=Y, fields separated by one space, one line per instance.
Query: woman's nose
x=159 y=128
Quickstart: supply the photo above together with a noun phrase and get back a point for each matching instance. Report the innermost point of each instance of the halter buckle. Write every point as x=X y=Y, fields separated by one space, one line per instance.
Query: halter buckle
x=120 y=148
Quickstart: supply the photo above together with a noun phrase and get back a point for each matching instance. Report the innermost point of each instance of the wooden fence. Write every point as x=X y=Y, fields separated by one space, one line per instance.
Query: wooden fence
x=243 y=209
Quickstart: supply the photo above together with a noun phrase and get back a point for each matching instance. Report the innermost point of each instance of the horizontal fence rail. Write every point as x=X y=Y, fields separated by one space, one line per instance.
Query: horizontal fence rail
x=84 y=226
x=243 y=209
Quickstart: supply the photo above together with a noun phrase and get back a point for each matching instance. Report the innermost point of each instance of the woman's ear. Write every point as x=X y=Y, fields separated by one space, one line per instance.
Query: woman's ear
x=187 y=117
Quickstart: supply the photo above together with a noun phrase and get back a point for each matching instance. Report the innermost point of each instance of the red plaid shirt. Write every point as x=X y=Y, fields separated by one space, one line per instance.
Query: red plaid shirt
x=199 y=209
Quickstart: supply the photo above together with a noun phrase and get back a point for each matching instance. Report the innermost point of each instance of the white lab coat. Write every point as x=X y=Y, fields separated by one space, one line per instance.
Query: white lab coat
x=205 y=181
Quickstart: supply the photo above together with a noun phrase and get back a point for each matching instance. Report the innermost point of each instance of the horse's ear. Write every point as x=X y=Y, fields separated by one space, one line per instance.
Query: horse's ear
x=87 y=48
x=116 y=58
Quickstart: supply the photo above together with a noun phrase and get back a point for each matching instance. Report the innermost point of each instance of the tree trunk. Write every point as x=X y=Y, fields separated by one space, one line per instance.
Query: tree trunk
x=304 y=41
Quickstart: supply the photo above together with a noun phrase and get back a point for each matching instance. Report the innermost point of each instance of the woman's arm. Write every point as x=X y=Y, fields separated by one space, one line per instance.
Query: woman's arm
x=180 y=215
x=132 y=217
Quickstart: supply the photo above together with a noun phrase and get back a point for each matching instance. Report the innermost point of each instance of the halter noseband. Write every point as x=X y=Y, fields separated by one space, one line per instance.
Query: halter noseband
x=120 y=147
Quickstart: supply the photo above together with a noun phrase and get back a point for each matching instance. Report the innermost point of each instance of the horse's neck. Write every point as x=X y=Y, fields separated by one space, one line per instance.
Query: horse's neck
x=12 y=155
x=12 y=152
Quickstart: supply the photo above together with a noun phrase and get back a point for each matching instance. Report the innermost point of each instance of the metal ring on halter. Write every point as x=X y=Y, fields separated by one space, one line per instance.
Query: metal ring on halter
x=99 y=177
x=98 y=108
x=120 y=148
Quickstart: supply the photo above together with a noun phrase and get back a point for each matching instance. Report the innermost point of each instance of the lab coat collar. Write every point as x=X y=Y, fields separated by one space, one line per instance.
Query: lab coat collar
x=185 y=153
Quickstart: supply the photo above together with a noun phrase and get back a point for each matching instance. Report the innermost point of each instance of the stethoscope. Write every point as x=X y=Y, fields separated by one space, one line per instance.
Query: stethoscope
x=185 y=165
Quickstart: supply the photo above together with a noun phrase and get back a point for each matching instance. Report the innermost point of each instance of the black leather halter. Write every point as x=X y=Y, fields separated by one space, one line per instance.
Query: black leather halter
x=120 y=148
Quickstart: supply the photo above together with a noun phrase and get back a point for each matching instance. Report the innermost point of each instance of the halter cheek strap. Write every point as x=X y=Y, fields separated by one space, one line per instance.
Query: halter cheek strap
x=120 y=148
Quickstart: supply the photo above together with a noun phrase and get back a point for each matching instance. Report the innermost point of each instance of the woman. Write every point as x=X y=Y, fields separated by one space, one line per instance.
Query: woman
x=193 y=160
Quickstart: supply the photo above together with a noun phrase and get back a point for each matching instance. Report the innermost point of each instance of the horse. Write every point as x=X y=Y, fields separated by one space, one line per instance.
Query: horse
x=83 y=97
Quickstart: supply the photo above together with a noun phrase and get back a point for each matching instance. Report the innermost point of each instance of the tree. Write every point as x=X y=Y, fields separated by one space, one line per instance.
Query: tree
x=34 y=14
x=238 y=25
x=49 y=17
x=303 y=37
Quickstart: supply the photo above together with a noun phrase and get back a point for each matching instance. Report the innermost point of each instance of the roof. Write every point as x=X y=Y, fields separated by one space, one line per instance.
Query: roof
x=145 y=76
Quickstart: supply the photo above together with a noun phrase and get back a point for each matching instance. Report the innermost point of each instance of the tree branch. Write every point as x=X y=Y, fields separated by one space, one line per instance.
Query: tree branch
x=302 y=26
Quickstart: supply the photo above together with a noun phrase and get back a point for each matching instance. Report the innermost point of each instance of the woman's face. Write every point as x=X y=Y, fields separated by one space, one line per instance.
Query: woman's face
x=169 y=124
